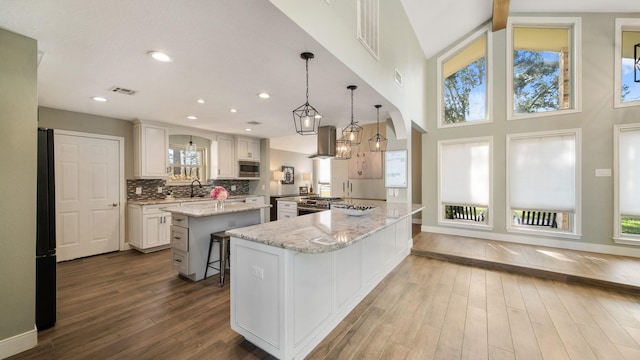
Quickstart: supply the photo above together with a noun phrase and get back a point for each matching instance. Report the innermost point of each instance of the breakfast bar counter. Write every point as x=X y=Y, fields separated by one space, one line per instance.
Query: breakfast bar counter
x=294 y=280
x=191 y=229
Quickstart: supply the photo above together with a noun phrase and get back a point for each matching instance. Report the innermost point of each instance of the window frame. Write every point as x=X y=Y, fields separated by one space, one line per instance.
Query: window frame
x=618 y=236
x=204 y=155
x=469 y=40
x=574 y=24
x=576 y=231
x=488 y=223
x=622 y=24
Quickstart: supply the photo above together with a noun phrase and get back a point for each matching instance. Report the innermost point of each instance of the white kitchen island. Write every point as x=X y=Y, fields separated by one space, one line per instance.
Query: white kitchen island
x=294 y=280
x=191 y=229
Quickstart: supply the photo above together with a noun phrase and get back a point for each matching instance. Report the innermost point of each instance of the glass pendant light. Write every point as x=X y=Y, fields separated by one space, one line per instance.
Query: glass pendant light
x=305 y=117
x=378 y=142
x=190 y=146
x=343 y=149
x=353 y=132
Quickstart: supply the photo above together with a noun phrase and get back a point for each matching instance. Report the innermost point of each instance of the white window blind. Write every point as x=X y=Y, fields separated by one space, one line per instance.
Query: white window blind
x=464 y=173
x=542 y=172
x=324 y=171
x=629 y=179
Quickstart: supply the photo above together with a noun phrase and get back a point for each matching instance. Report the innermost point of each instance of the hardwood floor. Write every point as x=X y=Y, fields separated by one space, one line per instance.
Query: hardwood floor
x=619 y=273
x=133 y=306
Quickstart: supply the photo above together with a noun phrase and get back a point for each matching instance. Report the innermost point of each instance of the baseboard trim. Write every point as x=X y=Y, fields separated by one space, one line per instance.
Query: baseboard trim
x=540 y=241
x=18 y=343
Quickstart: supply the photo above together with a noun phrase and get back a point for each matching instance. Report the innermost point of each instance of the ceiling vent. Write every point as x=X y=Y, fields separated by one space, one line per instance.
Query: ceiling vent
x=121 y=90
x=368 y=25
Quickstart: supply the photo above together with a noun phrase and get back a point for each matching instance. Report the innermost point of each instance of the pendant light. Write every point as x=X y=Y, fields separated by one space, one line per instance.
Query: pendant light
x=378 y=142
x=343 y=149
x=190 y=146
x=353 y=132
x=305 y=117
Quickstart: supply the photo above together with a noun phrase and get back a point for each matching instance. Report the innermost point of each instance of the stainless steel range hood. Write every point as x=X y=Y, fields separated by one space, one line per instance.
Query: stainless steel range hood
x=326 y=143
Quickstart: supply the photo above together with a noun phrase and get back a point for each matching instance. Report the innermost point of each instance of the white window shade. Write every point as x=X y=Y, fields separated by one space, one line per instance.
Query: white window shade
x=324 y=171
x=542 y=173
x=629 y=179
x=464 y=173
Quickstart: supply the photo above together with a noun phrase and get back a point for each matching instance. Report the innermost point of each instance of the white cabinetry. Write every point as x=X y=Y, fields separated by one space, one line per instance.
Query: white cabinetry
x=226 y=157
x=287 y=209
x=287 y=302
x=149 y=227
x=256 y=200
x=248 y=149
x=150 y=144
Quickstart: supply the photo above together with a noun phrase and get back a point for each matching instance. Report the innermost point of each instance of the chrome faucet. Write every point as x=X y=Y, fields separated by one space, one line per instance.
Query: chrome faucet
x=192 y=186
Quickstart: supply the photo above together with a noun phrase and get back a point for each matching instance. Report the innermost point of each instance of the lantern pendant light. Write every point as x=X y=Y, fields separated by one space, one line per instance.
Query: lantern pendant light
x=305 y=117
x=353 y=132
x=378 y=142
x=343 y=149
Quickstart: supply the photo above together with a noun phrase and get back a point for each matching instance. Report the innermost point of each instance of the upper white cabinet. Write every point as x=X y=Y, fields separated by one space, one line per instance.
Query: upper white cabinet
x=248 y=149
x=226 y=157
x=150 y=144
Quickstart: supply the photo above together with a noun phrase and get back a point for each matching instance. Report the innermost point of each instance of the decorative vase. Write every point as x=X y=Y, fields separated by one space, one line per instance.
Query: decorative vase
x=220 y=205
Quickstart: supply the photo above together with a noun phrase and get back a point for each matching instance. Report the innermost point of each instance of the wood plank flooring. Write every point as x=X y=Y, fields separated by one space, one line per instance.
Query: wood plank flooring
x=620 y=273
x=134 y=306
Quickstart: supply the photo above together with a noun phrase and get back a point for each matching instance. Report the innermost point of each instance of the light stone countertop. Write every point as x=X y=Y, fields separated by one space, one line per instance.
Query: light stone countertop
x=327 y=230
x=202 y=210
x=186 y=199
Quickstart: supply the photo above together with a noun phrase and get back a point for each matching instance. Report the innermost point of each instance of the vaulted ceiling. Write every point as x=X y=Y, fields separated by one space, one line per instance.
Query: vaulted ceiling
x=225 y=52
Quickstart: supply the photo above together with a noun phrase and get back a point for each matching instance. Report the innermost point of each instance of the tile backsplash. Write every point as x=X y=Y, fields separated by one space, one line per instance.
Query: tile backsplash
x=150 y=188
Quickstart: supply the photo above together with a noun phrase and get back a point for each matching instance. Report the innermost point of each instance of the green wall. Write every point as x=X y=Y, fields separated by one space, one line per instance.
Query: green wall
x=19 y=104
x=596 y=121
x=93 y=124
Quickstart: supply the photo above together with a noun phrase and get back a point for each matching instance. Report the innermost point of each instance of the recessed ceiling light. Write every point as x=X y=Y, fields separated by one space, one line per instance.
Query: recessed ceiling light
x=247 y=129
x=191 y=117
x=264 y=95
x=200 y=101
x=99 y=99
x=233 y=110
x=160 y=56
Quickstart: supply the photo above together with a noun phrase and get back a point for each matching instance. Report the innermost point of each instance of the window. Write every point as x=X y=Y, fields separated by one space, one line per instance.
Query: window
x=627 y=184
x=324 y=177
x=543 y=59
x=186 y=166
x=543 y=182
x=464 y=182
x=464 y=82
x=627 y=91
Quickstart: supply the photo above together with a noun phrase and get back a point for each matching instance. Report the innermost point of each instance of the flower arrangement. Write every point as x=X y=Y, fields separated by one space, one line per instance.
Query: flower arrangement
x=219 y=193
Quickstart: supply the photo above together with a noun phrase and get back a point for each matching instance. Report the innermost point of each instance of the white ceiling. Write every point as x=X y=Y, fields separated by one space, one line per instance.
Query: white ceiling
x=225 y=52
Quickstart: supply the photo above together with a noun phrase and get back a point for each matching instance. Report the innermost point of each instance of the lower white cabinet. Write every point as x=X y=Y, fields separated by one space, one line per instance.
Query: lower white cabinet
x=256 y=200
x=287 y=209
x=149 y=227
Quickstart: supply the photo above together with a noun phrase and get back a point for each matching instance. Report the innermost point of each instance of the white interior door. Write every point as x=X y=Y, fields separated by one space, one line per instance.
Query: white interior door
x=87 y=195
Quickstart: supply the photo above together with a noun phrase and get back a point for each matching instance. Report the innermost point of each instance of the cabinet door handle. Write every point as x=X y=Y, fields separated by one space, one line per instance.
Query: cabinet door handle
x=178 y=219
x=178 y=260
x=177 y=237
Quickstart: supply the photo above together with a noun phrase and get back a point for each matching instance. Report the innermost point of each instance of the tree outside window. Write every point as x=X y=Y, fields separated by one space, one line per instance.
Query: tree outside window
x=464 y=82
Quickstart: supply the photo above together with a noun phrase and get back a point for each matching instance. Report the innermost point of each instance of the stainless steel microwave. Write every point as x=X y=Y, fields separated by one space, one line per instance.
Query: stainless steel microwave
x=248 y=169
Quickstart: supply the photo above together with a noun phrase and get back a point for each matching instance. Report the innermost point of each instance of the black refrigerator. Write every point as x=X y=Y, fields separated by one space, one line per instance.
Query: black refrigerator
x=45 y=233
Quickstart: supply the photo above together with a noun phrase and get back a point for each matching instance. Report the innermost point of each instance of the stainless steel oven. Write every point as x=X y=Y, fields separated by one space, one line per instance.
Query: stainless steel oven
x=315 y=204
x=309 y=210
x=248 y=169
